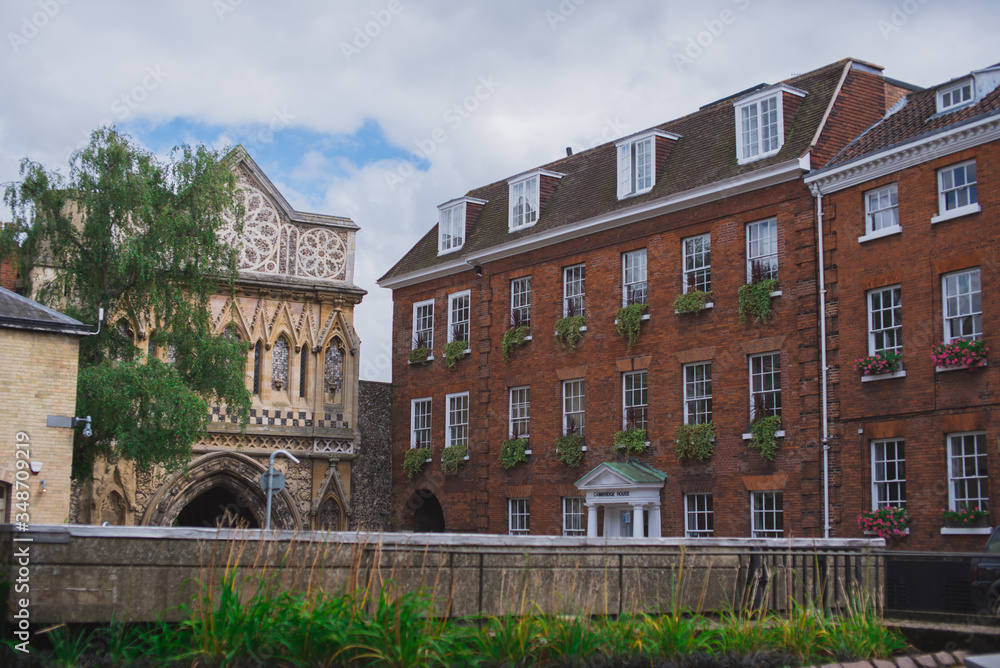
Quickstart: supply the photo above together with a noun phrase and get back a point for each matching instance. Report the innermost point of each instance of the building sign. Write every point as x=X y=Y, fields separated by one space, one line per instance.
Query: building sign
x=624 y=493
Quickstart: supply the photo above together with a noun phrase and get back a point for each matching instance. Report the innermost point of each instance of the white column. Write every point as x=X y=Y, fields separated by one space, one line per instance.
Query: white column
x=637 y=522
x=592 y=521
x=654 y=521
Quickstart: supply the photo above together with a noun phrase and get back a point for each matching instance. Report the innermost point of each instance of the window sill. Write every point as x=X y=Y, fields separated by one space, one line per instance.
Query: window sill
x=957 y=213
x=966 y=531
x=528 y=337
x=884 y=376
x=946 y=369
x=430 y=358
x=884 y=232
x=707 y=306
x=776 y=293
x=645 y=316
x=622 y=446
x=906 y=532
x=527 y=451
x=466 y=455
x=778 y=434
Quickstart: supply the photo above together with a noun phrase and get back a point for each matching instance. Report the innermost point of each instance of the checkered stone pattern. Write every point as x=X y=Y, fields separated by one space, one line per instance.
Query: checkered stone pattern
x=269 y=417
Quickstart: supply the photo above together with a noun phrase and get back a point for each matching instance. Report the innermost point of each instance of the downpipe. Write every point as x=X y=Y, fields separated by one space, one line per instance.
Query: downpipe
x=824 y=431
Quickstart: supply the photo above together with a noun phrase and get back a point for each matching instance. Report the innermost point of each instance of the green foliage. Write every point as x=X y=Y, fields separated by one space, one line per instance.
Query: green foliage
x=629 y=319
x=414 y=461
x=755 y=300
x=514 y=336
x=512 y=452
x=454 y=351
x=568 y=332
x=453 y=458
x=762 y=436
x=695 y=441
x=691 y=301
x=140 y=238
x=419 y=355
x=569 y=449
x=632 y=441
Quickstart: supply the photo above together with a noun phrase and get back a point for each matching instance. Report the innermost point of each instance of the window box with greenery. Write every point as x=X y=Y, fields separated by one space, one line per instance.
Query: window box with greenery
x=516 y=335
x=513 y=451
x=415 y=459
x=959 y=354
x=628 y=321
x=966 y=518
x=569 y=446
x=765 y=429
x=693 y=299
x=885 y=522
x=457 y=348
x=885 y=363
x=755 y=296
x=421 y=352
x=453 y=458
x=695 y=441
x=631 y=439
x=570 y=328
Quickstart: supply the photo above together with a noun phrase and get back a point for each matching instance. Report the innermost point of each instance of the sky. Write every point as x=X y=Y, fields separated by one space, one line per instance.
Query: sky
x=381 y=110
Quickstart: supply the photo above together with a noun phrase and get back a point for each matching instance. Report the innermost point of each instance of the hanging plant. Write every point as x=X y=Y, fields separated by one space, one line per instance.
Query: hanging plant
x=631 y=439
x=569 y=447
x=691 y=301
x=629 y=319
x=453 y=352
x=453 y=458
x=695 y=441
x=763 y=428
x=568 y=328
x=755 y=296
x=415 y=460
x=421 y=349
x=512 y=452
x=516 y=335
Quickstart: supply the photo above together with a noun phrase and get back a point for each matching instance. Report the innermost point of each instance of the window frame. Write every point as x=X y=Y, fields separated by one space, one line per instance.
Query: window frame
x=872 y=214
x=630 y=288
x=567 y=399
x=455 y=215
x=689 y=263
x=707 y=511
x=886 y=491
x=519 y=400
x=971 y=188
x=754 y=101
x=628 y=151
x=568 y=512
x=527 y=188
x=984 y=479
x=413 y=338
x=949 y=90
x=520 y=508
x=414 y=417
x=976 y=317
x=777 y=512
x=689 y=399
x=643 y=422
x=449 y=425
x=581 y=281
x=452 y=298
x=772 y=225
x=896 y=292
x=750 y=360
x=514 y=298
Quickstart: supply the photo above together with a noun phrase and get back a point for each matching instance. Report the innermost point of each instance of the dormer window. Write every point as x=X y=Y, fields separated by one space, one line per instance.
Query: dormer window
x=451 y=227
x=760 y=123
x=637 y=161
x=524 y=203
x=953 y=97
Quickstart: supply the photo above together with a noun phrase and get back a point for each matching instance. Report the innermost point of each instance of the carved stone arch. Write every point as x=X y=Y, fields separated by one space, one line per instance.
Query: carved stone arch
x=331 y=496
x=306 y=330
x=282 y=322
x=281 y=358
x=113 y=509
x=233 y=317
x=233 y=471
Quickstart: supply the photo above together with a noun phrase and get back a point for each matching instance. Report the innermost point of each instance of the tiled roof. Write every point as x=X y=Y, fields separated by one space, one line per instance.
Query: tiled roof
x=917 y=118
x=17 y=312
x=705 y=154
x=632 y=470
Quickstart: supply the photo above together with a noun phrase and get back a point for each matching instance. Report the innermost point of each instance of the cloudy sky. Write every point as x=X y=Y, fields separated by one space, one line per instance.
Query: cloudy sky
x=380 y=110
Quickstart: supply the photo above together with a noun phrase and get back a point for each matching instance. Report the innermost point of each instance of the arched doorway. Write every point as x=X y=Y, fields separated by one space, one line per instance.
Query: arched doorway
x=218 y=508
x=423 y=513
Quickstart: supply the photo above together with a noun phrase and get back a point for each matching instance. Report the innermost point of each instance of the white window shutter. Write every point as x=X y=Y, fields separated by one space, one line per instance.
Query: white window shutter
x=624 y=170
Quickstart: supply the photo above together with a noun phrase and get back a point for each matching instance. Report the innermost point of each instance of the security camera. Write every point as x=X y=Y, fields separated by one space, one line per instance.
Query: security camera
x=87 y=431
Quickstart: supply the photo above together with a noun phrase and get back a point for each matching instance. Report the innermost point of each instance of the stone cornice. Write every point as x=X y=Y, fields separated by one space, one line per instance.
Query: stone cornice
x=906 y=155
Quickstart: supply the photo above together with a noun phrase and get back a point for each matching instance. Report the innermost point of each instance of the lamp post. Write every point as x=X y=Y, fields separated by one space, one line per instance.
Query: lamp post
x=271 y=488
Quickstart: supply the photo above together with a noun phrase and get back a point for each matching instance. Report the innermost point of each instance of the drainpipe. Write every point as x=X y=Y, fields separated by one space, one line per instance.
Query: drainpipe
x=824 y=432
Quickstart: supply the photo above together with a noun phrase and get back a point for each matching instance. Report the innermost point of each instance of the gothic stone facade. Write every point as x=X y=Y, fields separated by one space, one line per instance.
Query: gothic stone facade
x=294 y=304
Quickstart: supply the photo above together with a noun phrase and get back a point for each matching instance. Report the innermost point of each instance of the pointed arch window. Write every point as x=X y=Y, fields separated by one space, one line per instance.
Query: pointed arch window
x=279 y=364
x=303 y=368
x=333 y=372
x=256 y=368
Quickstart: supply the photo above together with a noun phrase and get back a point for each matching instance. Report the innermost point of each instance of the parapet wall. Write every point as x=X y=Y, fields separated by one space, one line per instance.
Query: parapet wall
x=88 y=573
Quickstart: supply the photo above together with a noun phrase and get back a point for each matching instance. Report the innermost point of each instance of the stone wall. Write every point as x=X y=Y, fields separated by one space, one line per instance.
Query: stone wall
x=371 y=476
x=87 y=574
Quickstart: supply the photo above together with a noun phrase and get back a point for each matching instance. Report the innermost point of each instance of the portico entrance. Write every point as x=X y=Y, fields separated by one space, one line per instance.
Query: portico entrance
x=629 y=492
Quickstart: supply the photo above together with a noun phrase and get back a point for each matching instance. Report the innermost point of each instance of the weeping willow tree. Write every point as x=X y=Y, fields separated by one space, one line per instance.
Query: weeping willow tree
x=139 y=237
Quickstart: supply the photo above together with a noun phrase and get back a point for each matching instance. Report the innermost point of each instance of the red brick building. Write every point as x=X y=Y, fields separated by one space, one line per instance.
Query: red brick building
x=910 y=234
x=706 y=203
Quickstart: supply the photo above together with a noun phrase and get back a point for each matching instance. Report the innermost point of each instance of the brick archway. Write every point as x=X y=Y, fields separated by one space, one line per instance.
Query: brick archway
x=232 y=471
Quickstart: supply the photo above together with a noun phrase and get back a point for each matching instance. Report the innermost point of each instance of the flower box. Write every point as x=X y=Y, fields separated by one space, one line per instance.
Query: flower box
x=885 y=522
x=959 y=354
x=879 y=364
